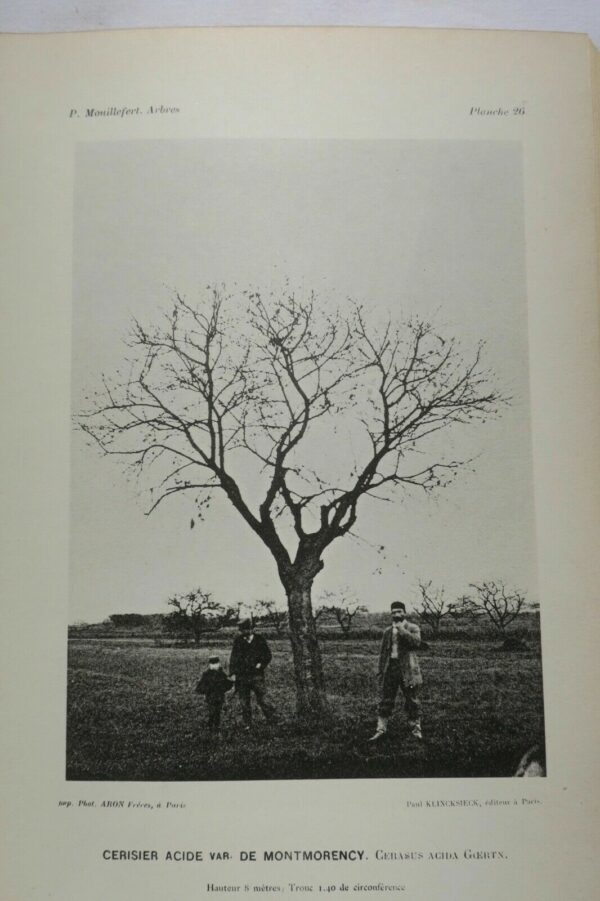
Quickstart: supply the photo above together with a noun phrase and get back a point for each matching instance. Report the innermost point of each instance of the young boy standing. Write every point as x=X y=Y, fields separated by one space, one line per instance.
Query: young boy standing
x=214 y=685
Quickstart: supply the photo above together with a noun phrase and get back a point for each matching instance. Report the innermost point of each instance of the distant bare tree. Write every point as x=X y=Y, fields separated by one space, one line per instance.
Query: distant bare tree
x=495 y=601
x=196 y=613
x=259 y=385
x=319 y=613
x=271 y=614
x=343 y=610
x=240 y=611
x=434 y=607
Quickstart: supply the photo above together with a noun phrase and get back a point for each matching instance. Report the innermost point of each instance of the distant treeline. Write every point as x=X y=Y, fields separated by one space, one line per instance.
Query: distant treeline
x=367 y=626
x=132 y=620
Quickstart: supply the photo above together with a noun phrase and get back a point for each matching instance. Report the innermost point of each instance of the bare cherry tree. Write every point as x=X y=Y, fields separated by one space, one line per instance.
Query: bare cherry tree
x=498 y=603
x=319 y=613
x=434 y=607
x=196 y=613
x=343 y=609
x=271 y=614
x=239 y=392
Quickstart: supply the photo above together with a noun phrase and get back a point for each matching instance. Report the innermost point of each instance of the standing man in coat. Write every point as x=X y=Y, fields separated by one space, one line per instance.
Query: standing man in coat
x=399 y=668
x=250 y=657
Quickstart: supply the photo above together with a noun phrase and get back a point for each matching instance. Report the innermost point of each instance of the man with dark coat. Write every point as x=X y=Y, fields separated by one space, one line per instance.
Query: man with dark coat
x=399 y=669
x=250 y=657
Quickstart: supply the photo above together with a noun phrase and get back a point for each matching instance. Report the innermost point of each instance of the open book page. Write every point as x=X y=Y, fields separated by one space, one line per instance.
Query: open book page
x=301 y=379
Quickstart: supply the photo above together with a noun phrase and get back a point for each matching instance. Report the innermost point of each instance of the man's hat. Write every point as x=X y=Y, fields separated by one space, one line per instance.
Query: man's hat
x=214 y=659
x=246 y=625
x=398 y=605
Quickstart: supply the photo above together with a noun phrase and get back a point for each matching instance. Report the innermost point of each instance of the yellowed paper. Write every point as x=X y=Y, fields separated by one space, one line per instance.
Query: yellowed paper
x=76 y=108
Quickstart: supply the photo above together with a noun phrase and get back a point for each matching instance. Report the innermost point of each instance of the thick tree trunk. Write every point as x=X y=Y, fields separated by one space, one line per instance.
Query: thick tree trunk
x=308 y=667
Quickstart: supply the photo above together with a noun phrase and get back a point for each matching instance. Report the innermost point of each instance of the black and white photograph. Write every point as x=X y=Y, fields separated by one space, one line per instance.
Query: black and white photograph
x=302 y=539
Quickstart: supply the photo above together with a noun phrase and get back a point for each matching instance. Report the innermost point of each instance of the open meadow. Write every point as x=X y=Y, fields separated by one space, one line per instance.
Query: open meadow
x=133 y=714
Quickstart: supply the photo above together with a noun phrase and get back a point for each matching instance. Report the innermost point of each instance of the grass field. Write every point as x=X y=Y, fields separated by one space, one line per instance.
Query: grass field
x=133 y=714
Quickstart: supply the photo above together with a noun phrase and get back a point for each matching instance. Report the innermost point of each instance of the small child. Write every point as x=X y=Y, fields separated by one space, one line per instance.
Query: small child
x=214 y=684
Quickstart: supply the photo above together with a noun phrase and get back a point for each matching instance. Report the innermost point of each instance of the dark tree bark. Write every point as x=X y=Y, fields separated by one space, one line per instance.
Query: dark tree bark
x=308 y=665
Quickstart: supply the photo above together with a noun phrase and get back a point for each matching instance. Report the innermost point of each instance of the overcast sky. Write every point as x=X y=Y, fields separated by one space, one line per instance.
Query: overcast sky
x=431 y=227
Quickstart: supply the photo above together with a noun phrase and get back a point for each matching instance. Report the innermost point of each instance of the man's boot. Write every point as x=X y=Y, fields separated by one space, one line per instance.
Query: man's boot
x=382 y=724
x=415 y=729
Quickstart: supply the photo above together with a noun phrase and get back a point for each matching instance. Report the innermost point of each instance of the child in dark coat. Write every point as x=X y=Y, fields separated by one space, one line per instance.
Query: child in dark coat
x=214 y=685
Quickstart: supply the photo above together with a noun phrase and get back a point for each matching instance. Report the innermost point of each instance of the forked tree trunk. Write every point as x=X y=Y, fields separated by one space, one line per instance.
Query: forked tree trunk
x=308 y=666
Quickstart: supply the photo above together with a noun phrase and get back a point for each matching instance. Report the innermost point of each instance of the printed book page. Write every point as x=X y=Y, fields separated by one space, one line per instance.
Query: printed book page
x=300 y=368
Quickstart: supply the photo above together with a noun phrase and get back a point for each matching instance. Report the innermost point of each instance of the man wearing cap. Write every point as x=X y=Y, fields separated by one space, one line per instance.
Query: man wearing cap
x=399 y=668
x=250 y=657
